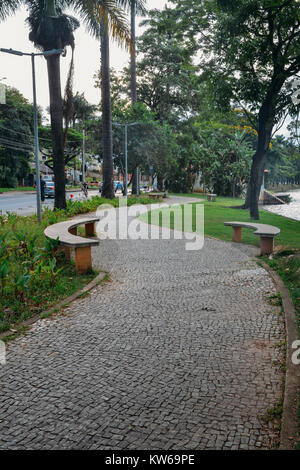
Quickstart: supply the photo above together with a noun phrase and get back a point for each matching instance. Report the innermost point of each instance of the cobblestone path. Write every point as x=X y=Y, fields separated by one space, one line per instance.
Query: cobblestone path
x=178 y=351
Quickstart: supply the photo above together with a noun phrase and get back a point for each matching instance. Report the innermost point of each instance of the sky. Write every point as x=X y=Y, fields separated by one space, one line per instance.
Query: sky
x=17 y=69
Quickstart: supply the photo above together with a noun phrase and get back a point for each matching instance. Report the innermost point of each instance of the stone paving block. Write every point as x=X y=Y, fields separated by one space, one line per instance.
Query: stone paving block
x=177 y=352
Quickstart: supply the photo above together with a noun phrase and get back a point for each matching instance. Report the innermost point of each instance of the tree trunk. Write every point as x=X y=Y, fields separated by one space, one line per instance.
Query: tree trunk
x=56 y=113
x=108 y=175
x=266 y=119
x=133 y=93
x=265 y=126
x=160 y=182
x=133 y=56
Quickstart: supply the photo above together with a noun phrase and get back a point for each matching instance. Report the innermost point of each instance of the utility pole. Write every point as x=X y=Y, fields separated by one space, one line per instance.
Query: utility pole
x=83 y=156
x=125 y=151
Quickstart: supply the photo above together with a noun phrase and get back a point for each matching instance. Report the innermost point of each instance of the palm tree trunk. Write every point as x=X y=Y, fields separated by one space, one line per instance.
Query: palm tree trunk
x=108 y=189
x=56 y=113
x=133 y=93
x=133 y=55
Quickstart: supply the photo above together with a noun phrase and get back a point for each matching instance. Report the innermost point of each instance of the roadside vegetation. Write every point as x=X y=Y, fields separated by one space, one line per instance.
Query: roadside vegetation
x=23 y=188
x=33 y=275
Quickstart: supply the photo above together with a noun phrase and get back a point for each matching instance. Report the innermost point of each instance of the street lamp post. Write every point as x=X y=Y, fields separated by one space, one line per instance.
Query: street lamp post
x=83 y=156
x=35 y=119
x=125 y=150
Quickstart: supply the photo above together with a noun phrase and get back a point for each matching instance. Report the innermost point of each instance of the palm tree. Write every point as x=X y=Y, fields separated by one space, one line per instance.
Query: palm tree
x=112 y=22
x=107 y=145
x=7 y=7
x=136 y=7
x=50 y=28
x=119 y=32
x=118 y=28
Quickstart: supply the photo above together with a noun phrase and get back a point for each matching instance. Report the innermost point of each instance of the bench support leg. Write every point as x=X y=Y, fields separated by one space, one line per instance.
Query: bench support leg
x=73 y=231
x=83 y=259
x=90 y=229
x=237 y=234
x=266 y=245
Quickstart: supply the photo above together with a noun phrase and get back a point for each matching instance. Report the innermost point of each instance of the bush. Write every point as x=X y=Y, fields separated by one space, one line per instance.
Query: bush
x=33 y=273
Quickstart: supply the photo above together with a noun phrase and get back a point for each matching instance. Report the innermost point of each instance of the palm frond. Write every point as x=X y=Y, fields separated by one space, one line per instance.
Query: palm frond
x=48 y=32
x=93 y=12
x=8 y=7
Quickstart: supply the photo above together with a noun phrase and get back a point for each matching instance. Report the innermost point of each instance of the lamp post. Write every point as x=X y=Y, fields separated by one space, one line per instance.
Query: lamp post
x=125 y=150
x=36 y=135
x=83 y=156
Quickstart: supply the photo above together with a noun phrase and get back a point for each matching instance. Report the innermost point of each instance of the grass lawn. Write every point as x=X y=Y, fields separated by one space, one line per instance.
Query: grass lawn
x=7 y=190
x=216 y=213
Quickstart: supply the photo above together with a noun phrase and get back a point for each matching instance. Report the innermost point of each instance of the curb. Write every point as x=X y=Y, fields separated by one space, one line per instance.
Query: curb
x=95 y=282
x=14 y=193
x=289 y=434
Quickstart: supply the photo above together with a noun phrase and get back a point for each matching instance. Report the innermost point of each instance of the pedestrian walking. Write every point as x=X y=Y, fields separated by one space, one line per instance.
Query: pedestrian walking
x=84 y=187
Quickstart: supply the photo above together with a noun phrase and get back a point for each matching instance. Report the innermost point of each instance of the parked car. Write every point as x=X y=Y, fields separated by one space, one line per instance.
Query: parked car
x=49 y=189
x=48 y=178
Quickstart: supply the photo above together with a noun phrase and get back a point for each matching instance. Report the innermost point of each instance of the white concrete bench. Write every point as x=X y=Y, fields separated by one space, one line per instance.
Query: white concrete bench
x=211 y=197
x=66 y=233
x=157 y=195
x=266 y=234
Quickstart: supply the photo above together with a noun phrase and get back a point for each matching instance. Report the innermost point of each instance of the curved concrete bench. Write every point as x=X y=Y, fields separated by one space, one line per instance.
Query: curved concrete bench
x=157 y=195
x=266 y=234
x=66 y=233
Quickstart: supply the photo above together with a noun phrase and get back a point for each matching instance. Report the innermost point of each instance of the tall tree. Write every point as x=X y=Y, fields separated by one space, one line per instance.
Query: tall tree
x=112 y=23
x=252 y=50
x=167 y=80
x=136 y=7
x=107 y=145
x=16 y=138
x=118 y=33
x=51 y=29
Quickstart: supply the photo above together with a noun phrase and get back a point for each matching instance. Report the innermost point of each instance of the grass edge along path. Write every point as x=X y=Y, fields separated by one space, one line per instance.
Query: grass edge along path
x=216 y=213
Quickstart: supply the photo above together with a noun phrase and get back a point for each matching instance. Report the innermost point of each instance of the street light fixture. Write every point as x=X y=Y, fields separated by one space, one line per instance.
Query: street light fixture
x=36 y=135
x=125 y=150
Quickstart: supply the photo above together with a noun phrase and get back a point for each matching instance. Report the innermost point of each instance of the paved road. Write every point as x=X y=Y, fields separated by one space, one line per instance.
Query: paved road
x=25 y=203
x=177 y=352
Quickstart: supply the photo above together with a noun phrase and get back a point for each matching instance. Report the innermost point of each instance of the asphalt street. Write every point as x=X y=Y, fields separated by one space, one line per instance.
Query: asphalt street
x=24 y=203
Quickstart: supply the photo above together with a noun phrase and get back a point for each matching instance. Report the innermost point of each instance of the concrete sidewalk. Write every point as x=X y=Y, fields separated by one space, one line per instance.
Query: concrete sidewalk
x=177 y=352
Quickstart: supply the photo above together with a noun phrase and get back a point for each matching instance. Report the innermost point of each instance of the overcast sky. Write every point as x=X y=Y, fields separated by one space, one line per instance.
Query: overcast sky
x=17 y=70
